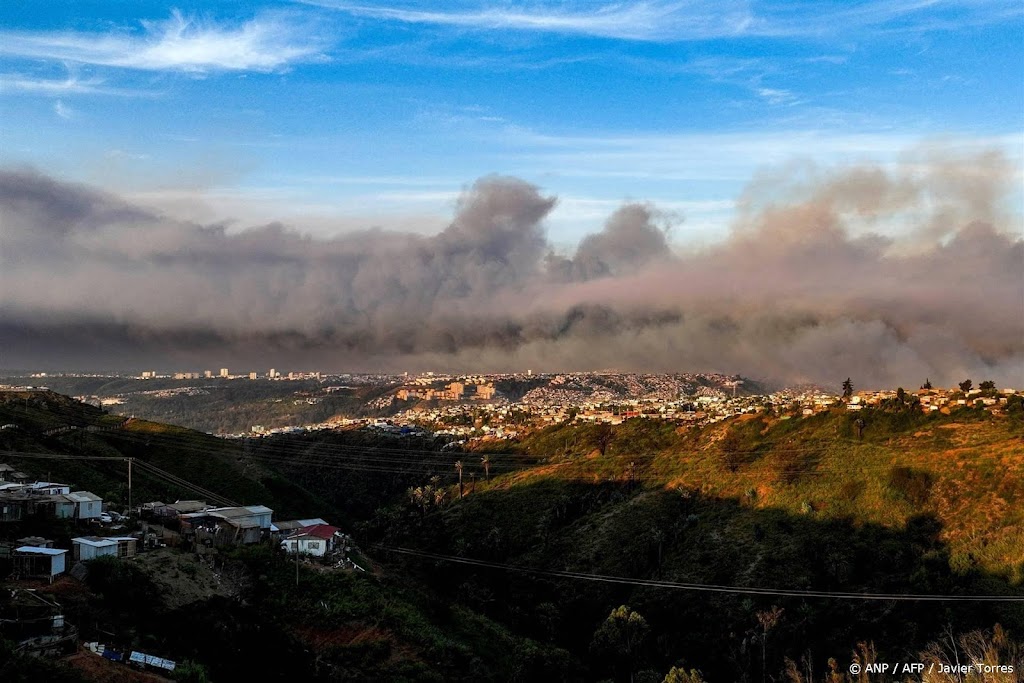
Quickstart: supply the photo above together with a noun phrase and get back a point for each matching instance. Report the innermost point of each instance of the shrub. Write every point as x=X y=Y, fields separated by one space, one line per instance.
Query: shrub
x=911 y=485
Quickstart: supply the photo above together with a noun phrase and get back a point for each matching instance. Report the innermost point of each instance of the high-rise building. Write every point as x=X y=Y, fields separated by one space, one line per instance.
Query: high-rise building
x=252 y=375
x=223 y=372
x=207 y=374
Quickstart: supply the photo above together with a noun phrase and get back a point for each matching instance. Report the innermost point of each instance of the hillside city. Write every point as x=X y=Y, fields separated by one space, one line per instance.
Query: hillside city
x=501 y=406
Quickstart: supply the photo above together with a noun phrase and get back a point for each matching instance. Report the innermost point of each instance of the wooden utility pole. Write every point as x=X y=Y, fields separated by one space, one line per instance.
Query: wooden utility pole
x=130 y=489
x=296 y=561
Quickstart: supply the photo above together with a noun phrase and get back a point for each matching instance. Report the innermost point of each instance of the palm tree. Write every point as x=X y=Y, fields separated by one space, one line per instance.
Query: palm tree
x=458 y=468
x=486 y=461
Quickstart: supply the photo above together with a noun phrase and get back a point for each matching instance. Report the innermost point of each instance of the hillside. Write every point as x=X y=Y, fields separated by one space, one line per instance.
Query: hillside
x=221 y=406
x=572 y=524
x=925 y=504
x=221 y=621
x=966 y=470
x=43 y=423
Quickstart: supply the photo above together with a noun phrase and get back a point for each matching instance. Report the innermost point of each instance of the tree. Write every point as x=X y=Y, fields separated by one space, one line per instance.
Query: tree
x=486 y=461
x=994 y=648
x=189 y=671
x=458 y=468
x=966 y=385
x=622 y=634
x=847 y=388
x=604 y=438
x=927 y=384
x=987 y=385
x=421 y=497
x=901 y=395
x=678 y=674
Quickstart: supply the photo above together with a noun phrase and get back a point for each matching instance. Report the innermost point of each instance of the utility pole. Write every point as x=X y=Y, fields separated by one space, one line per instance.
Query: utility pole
x=296 y=561
x=130 y=489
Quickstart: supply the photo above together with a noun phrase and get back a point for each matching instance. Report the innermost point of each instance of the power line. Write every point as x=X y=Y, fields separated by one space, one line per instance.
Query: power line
x=173 y=478
x=701 y=587
x=62 y=456
x=161 y=474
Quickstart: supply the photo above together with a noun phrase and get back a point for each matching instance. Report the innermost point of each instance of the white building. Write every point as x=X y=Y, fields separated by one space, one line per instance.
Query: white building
x=51 y=488
x=317 y=540
x=91 y=547
x=87 y=505
x=30 y=560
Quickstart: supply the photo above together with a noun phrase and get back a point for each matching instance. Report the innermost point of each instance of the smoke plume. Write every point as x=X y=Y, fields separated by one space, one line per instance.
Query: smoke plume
x=889 y=275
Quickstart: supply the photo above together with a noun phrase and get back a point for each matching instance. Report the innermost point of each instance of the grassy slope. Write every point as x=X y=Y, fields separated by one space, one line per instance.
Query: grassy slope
x=199 y=458
x=360 y=627
x=966 y=469
x=226 y=406
x=923 y=504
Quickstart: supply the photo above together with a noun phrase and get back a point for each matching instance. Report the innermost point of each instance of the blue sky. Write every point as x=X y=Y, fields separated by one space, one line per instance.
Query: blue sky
x=335 y=115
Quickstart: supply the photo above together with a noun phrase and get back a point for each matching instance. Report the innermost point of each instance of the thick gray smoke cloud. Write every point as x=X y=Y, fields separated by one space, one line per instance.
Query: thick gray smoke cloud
x=806 y=288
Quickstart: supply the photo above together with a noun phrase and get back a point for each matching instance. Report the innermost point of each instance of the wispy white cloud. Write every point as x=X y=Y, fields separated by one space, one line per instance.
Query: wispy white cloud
x=777 y=96
x=721 y=156
x=122 y=154
x=265 y=43
x=673 y=20
x=62 y=110
x=72 y=85
x=649 y=20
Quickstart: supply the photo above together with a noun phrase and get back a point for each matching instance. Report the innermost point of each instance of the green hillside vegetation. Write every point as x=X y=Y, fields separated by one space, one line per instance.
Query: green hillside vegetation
x=194 y=456
x=221 y=406
x=337 y=626
x=965 y=469
x=925 y=504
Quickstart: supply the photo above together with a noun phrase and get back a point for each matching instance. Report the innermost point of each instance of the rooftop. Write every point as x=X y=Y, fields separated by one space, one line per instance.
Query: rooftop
x=40 y=551
x=83 y=496
x=95 y=541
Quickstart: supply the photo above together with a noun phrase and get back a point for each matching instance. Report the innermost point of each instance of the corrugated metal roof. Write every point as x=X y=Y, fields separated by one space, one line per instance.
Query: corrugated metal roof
x=95 y=541
x=287 y=525
x=39 y=551
x=188 y=505
x=324 y=531
x=83 y=497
